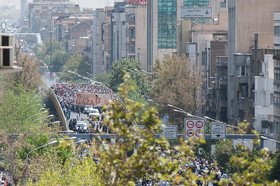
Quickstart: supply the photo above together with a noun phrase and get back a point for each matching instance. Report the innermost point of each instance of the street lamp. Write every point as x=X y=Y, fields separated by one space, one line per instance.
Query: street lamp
x=49 y=116
x=265 y=138
x=26 y=164
x=51 y=143
x=188 y=114
x=37 y=114
x=227 y=125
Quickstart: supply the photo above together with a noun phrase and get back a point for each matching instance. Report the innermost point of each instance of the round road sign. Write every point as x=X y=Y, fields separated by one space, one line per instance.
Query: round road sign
x=199 y=132
x=190 y=132
x=190 y=124
x=199 y=124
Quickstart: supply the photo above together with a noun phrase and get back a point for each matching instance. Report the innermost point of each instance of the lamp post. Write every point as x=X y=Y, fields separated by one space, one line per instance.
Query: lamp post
x=265 y=138
x=51 y=53
x=51 y=143
x=49 y=116
x=37 y=114
x=227 y=125
x=26 y=164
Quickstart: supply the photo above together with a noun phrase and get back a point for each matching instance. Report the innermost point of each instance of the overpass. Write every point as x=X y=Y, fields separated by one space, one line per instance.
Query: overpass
x=37 y=35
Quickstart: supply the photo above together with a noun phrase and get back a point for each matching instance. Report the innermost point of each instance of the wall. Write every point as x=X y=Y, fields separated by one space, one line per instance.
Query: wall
x=141 y=35
x=253 y=16
x=59 y=110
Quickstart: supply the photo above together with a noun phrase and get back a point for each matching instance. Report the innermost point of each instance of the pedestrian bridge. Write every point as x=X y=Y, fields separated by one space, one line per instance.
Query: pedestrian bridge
x=37 y=35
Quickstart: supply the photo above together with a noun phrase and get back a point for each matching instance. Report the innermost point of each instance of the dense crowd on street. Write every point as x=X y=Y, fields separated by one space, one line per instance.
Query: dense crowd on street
x=66 y=95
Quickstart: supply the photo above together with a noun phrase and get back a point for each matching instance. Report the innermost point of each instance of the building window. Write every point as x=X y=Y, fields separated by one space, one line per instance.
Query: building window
x=223 y=4
x=242 y=70
x=196 y=2
x=277 y=30
x=167 y=23
x=241 y=115
x=204 y=58
x=244 y=90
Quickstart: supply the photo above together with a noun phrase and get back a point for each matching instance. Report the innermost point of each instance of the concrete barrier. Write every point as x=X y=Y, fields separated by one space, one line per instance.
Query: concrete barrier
x=58 y=110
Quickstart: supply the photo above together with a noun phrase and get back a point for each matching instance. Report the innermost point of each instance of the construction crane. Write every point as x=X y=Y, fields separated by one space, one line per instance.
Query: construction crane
x=142 y=2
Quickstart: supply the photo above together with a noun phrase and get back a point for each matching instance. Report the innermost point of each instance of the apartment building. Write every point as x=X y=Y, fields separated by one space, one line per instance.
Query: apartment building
x=246 y=17
x=7 y=63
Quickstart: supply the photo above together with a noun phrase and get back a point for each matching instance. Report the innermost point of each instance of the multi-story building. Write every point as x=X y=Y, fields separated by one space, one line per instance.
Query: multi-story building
x=130 y=31
x=275 y=129
x=258 y=17
x=118 y=32
x=98 y=61
x=264 y=97
x=23 y=9
x=7 y=63
x=107 y=38
x=41 y=14
x=219 y=98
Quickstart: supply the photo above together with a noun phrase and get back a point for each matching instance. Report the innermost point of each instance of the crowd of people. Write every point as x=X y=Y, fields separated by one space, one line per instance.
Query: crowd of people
x=66 y=92
x=66 y=95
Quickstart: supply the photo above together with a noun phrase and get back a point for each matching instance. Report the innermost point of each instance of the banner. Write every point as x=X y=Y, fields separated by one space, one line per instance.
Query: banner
x=92 y=99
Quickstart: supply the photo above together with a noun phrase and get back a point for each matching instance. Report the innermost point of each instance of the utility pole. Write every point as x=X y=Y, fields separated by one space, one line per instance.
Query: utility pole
x=149 y=35
x=51 y=54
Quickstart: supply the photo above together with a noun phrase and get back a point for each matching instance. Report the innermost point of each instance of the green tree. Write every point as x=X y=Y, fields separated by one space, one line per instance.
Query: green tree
x=23 y=106
x=137 y=154
x=103 y=77
x=44 y=50
x=60 y=57
x=118 y=70
x=78 y=64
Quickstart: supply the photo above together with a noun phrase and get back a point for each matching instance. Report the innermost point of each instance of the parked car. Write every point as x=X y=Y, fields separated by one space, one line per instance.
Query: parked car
x=94 y=114
x=82 y=127
x=86 y=109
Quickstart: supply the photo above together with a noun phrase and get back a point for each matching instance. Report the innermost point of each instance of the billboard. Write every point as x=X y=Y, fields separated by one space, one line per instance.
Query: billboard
x=196 y=12
x=92 y=99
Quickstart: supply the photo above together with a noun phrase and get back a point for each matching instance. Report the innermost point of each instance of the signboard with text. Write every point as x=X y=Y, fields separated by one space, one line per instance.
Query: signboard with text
x=218 y=131
x=196 y=12
x=92 y=99
x=170 y=131
x=194 y=128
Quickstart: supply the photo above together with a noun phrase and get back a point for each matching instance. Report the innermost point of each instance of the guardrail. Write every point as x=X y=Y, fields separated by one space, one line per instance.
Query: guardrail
x=58 y=110
x=110 y=136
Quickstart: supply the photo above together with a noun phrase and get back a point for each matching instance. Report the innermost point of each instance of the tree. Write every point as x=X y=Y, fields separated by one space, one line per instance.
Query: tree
x=103 y=77
x=77 y=63
x=20 y=109
x=30 y=77
x=52 y=54
x=60 y=57
x=44 y=50
x=118 y=71
x=138 y=155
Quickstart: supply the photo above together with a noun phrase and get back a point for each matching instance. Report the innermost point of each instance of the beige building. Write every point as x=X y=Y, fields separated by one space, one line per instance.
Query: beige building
x=7 y=63
x=246 y=17
x=41 y=14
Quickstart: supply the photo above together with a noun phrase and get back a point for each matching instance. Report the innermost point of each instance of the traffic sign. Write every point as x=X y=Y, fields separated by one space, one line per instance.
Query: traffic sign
x=190 y=133
x=194 y=128
x=190 y=124
x=218 y=131
x=170 y=131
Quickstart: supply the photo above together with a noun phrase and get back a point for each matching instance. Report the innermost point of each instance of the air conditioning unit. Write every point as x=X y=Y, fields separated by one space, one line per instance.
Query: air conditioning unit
x=6 y=51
